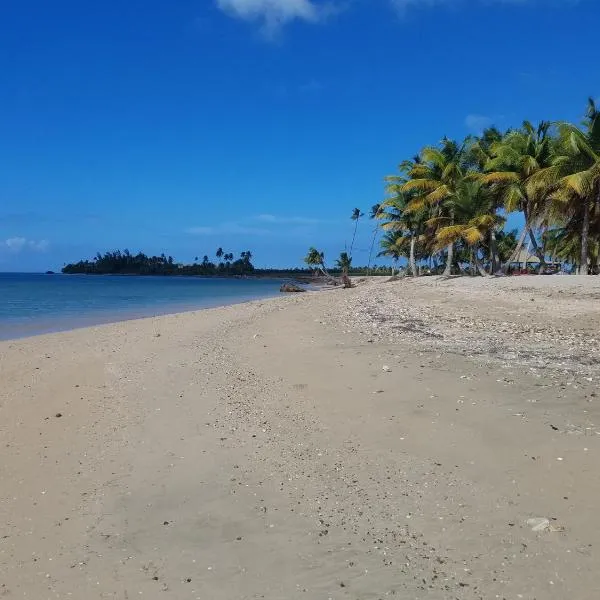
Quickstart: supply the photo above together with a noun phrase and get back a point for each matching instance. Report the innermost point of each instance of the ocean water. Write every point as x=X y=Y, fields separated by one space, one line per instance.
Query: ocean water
x=31 y=304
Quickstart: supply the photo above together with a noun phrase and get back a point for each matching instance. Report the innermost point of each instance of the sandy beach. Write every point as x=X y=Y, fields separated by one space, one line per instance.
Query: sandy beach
x=417 y=439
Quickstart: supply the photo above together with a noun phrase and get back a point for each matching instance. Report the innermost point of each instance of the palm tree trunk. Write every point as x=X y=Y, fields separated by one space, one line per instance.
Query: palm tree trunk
x=448 y=268
x=371 y=249
x=353 y=237
x=478 y=264
x=538 y=251
x=494 y=260
x=585 y=234
x=516 y=251
x=412 y=262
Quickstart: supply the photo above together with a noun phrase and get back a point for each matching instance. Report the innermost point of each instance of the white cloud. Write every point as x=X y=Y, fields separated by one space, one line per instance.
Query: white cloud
x=20 y=244
x=274 y=14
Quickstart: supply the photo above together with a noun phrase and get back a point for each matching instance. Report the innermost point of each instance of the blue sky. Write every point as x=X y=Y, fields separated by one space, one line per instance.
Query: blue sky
x=182 y=126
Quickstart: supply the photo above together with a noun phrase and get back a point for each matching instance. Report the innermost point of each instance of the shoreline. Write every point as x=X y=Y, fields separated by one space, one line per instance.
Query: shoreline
x=84 y=323
x=283 y=447
x=88 y=315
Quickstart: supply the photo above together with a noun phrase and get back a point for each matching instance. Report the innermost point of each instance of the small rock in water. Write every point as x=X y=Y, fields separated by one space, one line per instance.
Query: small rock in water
x=539 y=524
x=386 y=369
x=58 y=415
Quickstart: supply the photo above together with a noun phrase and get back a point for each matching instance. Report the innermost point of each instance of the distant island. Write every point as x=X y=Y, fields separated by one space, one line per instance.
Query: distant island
x=125 y=263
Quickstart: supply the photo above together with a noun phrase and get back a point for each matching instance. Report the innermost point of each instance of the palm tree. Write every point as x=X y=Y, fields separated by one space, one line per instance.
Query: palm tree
x=478 y=154
x=395 y=246
x=434 y=180
x=374 y=214
x=315 y=259
x=473 y=218
x=577 y=193
x=513 y=172
x=356 y=215
x=398 y=216
x=344 y=262
x=219 y=252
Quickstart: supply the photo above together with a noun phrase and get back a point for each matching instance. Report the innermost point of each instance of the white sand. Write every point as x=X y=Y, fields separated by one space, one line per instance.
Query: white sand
x=261 y=451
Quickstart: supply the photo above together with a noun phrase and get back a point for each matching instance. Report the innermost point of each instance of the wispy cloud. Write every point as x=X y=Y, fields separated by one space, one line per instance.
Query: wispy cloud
x=477 y=123
x=21 y=244
x=227 y=229
x=282 y=220
x=402 y=6
x=274 y=14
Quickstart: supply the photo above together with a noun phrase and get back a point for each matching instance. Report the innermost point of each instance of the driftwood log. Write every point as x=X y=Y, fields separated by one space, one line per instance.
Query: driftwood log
x=291 y=288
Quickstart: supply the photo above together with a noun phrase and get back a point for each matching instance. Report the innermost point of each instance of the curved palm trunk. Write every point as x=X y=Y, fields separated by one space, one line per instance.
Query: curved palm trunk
x=516 y=251
x=585 y=234
x=448 y=268
x=537 y=250
x=353 y=237
x=411 y=259
x=371 y=249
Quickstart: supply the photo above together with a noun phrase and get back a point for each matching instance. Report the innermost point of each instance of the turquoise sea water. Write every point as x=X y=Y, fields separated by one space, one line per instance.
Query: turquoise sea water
x=31 y=304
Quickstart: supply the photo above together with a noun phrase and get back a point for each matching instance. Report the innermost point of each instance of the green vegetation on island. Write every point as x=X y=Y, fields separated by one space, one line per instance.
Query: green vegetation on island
x=124 y=263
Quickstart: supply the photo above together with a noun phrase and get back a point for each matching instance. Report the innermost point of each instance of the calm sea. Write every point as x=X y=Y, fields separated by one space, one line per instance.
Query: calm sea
x=31 y=304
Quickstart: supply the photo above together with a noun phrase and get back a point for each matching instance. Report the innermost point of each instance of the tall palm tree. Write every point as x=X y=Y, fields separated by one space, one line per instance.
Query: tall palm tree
x=356 y=215
x=513 y=171
x=434 y=180
x=219 y=252
x=478 y=154
x=374 y=214
x=577 y=192
x=396 y=217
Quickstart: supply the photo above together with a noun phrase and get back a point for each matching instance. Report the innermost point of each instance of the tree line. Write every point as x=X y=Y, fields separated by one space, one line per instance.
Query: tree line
x=447 y=207
x=125 y=263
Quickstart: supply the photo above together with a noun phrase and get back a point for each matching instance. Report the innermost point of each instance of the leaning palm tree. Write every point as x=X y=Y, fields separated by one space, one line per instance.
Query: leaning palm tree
x=356 y=215
x=315 y=259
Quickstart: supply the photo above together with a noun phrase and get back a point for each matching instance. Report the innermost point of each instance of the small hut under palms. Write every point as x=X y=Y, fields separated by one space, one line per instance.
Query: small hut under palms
x=525 y=260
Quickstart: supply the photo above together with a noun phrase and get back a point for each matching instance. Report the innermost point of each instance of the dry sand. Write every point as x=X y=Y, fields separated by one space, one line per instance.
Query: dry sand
x=263 y=451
